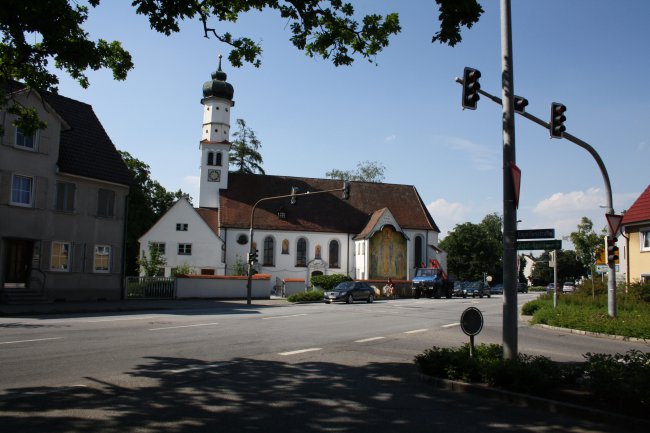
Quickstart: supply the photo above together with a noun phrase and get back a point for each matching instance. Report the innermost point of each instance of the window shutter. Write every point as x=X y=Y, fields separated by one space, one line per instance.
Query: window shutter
x=40 y=192
x=5 y=186
x=78 y=258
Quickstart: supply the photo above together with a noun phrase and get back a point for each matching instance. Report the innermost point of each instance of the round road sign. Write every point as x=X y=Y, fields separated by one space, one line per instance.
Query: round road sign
x=471 y=321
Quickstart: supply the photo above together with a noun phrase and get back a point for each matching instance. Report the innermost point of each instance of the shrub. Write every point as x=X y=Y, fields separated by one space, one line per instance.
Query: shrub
x=639 y=292
x=622 y=380
x=308 y=296
x=529 y=308
x=328 y=282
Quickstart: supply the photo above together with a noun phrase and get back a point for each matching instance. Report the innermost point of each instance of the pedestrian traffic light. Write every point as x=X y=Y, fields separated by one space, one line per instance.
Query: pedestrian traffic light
x=557 y=120
x=294 y=191
x=471 y=86
x=612 y=251
x=520 y=104
x=346 y=190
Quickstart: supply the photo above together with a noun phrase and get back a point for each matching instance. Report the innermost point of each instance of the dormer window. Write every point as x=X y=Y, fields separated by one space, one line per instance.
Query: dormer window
x=25 y=141
x=281 y=213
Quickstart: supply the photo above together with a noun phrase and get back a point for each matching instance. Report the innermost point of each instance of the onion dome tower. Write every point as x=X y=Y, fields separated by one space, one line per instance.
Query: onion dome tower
x=215 y=137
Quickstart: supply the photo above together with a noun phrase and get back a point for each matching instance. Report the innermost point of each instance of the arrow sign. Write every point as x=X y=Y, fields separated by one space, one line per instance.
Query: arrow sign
x=614 y=222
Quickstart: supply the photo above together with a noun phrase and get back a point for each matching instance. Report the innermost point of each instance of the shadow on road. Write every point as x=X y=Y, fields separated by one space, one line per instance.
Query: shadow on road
x=248 y=395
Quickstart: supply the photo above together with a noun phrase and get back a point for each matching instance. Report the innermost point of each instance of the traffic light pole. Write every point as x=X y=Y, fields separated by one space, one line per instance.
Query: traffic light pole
x=251 y=250
x=611 y=283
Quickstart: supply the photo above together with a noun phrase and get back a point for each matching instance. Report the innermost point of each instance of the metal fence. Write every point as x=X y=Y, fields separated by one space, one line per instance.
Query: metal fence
x=150 y=287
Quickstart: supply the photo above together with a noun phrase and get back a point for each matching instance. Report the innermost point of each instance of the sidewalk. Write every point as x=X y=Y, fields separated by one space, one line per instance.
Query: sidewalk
x=78 y=307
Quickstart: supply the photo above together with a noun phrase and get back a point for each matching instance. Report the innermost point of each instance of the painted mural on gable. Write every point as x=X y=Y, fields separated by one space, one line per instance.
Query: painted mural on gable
x=387 y=254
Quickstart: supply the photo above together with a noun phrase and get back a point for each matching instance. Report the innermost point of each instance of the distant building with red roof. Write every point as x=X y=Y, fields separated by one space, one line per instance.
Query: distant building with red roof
x=636 y=226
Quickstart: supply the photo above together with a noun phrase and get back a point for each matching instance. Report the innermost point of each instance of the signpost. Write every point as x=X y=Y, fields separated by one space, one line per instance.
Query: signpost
x=471 y=322
x=552 y=244
x=536 y=234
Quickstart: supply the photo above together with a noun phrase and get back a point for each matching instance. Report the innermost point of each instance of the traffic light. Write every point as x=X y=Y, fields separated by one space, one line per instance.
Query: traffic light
x=471 y=86
x=612 y=251
x=294 y=191
x=520 y=104
x=346 y=190
x=252 y=257
x=557 y=120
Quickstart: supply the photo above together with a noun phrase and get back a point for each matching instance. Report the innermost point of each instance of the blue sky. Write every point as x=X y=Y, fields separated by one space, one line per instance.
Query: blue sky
x=404 y=112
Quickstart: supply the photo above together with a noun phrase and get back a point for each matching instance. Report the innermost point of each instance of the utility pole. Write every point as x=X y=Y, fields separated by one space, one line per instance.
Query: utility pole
x=509 y=204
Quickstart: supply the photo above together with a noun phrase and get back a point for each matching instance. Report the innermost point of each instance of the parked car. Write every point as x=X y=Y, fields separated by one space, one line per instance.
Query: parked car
x=459 y=289
x=568 y=287
x=477 y=288
x=550 y=288
x=497 y=289
x=522 y=288
x=350 y=291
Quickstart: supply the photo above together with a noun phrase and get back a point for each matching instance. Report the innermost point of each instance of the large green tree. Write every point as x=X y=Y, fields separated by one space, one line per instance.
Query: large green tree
x=35 y=33
x=475 y=249
x=148 y=201
x=569 y=268
x=367 y=171
x=244 y=153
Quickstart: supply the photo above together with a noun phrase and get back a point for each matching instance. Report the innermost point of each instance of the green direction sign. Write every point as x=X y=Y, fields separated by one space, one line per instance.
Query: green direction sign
x=551 y=244
x=536 y=234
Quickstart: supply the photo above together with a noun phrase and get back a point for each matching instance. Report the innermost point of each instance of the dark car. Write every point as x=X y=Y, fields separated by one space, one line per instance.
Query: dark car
x=522 y=287
x=350 y=291
x=477 y=288
x=497 y=289
x=459 y=289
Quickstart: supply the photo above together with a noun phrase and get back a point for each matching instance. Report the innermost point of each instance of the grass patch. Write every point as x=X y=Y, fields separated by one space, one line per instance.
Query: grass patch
x=583 y=312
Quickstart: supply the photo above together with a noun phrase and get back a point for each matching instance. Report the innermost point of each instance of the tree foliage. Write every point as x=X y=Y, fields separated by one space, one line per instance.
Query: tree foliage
x=151 y=264
x=475 y=249
x=35 y=33
x=148 y=201
x=586 y=242
x=569 y=268
x=366 y=171
x=244 y=153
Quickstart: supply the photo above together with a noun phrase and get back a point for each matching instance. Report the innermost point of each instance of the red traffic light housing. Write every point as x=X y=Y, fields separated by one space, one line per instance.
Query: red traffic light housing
x=557 y=120
x=471 y=86
x=612 y=251
x=520 y=104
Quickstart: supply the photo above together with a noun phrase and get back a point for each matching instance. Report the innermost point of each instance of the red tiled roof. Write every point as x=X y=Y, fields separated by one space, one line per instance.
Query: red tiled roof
x=323 y=213
x=211 y=218
x=640 y=210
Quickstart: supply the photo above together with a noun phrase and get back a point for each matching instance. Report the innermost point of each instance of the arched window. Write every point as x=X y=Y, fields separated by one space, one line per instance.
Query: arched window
x=210 y=158
x=268 y=251
x=219 y=159
x=334 y=254
x=417 y=253
x=301 y=252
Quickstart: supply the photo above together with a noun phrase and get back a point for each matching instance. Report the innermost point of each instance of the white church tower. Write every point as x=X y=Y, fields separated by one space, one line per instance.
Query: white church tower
x=215 y=144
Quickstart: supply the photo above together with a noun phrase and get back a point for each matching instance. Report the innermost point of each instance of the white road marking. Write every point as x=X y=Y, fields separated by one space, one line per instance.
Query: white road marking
x=365 y=340
x=283 y=317
x=415 y=331
x=117 y=319
x=183 y=326
x=29 y=341
x=296 y=352
x=193 y=368
x=451 y=325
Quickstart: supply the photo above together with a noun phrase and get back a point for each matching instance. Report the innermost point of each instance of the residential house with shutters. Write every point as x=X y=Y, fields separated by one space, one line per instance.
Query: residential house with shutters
x=63 y=197
x=636 y=228
x=382 y=231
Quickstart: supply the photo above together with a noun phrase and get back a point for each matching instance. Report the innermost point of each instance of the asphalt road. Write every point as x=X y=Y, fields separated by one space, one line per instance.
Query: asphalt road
x=311 y=367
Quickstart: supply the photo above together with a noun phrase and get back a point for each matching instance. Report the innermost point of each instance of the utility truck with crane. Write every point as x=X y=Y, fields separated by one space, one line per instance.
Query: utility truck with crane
x=432 y=282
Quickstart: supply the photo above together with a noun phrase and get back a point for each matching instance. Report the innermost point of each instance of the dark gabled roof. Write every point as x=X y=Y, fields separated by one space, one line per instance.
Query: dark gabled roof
x=85 y=148
x=325 y=212
x=640 y=209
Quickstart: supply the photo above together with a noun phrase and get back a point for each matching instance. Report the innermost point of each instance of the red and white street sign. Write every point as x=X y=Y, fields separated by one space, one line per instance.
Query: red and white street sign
x=614 y=222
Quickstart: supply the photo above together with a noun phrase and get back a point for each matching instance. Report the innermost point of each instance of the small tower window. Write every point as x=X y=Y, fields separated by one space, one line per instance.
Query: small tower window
x=210 y=158
x=219 y=159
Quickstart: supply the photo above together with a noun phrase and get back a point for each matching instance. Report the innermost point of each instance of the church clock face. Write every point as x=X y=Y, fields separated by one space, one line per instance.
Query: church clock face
x=214 y=175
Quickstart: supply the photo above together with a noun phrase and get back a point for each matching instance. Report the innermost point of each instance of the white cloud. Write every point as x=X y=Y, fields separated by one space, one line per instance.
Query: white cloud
x=484 y=157
x=448 y=214
x=562 y=204
x=642 y=146
x=390 y=138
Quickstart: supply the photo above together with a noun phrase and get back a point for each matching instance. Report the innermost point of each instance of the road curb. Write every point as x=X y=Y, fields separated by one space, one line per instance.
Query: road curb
x=549 y=405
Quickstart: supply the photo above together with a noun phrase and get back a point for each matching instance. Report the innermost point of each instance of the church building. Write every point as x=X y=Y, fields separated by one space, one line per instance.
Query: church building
x=381 y=231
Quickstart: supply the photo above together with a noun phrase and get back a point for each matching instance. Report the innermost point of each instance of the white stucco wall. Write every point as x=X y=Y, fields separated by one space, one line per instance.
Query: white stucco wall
x=206 y=246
